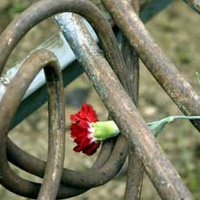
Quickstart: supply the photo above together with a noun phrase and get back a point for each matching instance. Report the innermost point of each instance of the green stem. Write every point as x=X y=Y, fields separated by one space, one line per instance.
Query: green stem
x=157 y=126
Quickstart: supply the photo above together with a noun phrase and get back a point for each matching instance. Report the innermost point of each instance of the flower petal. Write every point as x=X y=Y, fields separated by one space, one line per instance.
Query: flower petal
x=89 y=149
x=86 y=113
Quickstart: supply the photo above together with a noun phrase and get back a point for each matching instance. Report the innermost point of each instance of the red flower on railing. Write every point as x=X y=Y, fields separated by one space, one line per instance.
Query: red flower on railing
x=88 y=132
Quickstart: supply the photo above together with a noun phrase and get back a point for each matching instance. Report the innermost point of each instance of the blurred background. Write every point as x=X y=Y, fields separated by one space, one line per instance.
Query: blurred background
x=177 y=32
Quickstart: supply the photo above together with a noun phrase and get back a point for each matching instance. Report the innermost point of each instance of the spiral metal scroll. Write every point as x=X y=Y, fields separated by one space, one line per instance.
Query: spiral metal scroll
x=107 y=76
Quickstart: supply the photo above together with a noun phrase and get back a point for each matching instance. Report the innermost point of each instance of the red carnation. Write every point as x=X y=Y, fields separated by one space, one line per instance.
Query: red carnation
x=88 y=132
x=82 y=131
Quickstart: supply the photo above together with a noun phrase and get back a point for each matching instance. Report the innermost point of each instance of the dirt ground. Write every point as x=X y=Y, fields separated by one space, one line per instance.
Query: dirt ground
x=176 y=30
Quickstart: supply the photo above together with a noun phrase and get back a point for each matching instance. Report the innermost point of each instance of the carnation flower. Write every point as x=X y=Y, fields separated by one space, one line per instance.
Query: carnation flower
x=88 y=132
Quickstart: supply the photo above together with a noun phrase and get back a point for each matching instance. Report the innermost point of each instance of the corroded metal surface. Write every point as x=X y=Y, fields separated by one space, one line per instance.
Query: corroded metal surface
x=9 y=104
x=108 y=72
x=162 y=68
x=71 y=178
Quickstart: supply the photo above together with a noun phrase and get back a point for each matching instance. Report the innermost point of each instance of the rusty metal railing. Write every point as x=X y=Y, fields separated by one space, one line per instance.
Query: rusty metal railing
x=115 y=70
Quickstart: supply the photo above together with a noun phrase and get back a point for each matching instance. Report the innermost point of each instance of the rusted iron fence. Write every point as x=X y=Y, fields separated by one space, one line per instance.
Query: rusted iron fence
x=116 y=69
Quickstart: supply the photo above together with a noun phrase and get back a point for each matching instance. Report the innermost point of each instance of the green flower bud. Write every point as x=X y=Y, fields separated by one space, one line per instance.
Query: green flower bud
x=104 y=130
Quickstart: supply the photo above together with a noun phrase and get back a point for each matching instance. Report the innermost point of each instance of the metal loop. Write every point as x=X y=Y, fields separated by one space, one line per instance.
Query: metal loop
x=9 y=104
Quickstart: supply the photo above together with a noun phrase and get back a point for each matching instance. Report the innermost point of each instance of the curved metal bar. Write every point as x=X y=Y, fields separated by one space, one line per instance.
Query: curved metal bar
x=9 y=105
x=71 y=177
x=19 y=27
x=56 y=147
x=120 y=154
x=135 y=166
